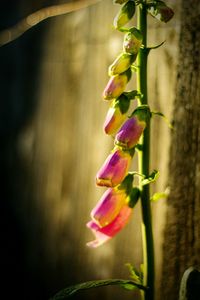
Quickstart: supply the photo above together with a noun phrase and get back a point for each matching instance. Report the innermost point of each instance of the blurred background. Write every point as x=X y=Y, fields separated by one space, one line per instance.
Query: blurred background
x=52 y=145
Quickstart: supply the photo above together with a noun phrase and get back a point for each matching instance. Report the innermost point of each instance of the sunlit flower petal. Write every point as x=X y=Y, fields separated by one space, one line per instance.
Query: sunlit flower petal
x=103 y=234
x=114 y=168
x=130 y=133
x=109 y=206
x=116 y=85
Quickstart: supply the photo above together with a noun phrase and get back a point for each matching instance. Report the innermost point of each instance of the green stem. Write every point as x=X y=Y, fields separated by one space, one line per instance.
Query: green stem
x=144 y=158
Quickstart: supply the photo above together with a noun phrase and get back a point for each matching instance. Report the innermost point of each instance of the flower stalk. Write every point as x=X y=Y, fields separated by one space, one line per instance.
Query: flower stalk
x=144 y=158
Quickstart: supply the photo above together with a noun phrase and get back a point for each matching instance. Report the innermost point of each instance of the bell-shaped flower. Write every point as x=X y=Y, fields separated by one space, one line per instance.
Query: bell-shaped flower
x=109 y=206
x=125 y=14
x=121 y=64
x=116 y=114
x=132 y=41
x=103 y=234
x=130 y=132
x=115 y=168
x=116 y=85
x=161 y=11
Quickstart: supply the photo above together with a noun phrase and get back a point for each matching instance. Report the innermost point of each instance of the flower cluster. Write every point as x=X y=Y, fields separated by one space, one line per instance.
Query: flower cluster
x=115 y=207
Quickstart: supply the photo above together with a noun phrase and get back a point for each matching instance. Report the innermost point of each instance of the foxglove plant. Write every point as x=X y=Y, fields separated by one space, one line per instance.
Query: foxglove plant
x=131 y=132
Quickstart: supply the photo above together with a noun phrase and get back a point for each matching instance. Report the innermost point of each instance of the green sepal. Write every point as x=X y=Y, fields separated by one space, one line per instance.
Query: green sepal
x=128 y=73
x=132 y=94
x=139 y=147
x=127 y=183
x=133 y=197
x=70 y=291
x=151 y=178
x=123 y=102
x=142 y=112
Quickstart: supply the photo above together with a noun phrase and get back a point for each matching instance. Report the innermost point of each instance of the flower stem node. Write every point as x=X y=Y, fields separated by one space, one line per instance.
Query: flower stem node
x=125 y=14
x=116 y=85
x=132 y=41
x=121 y=64
x=114 y=169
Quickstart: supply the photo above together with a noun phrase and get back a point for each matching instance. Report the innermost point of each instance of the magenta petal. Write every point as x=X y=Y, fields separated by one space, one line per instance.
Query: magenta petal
x=130 y=132
x=108 y=206
x=104 y=234
x=114 y=169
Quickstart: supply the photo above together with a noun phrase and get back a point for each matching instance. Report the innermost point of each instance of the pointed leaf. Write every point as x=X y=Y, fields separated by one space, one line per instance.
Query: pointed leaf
x=70 y=291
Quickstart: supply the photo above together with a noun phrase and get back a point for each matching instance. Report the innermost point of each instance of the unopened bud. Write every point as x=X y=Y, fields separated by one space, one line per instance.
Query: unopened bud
x=132 y=41
x=125 y=14
x=121 y=64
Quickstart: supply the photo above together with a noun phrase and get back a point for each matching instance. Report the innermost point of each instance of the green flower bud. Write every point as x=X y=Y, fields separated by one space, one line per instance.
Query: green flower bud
x=132 y=41
x=121 y=64
x=125 y=14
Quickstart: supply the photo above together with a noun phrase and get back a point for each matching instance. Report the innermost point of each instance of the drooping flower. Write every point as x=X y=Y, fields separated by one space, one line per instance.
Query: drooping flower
x=131 y=131
x=115 y=168
x=125 y=14
x=109 y=206
x=116 y=114
x=161 y=11
x=121 y=64
x=103 y=234
x=116 y=85
x=113 y=211
x=132 y=41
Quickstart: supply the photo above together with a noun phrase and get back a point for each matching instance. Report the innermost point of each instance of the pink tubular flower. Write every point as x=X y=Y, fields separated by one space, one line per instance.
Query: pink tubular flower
x=116 y=85
x=114 y=168
x=129 y=134
x=103 y=234
x=109 y=206
x=131 y=131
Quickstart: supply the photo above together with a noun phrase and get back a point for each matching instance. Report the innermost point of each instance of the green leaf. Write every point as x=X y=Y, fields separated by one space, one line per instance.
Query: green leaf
x=152 y=177
x=160 y=195
x=135 y=274
x=70 y=291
